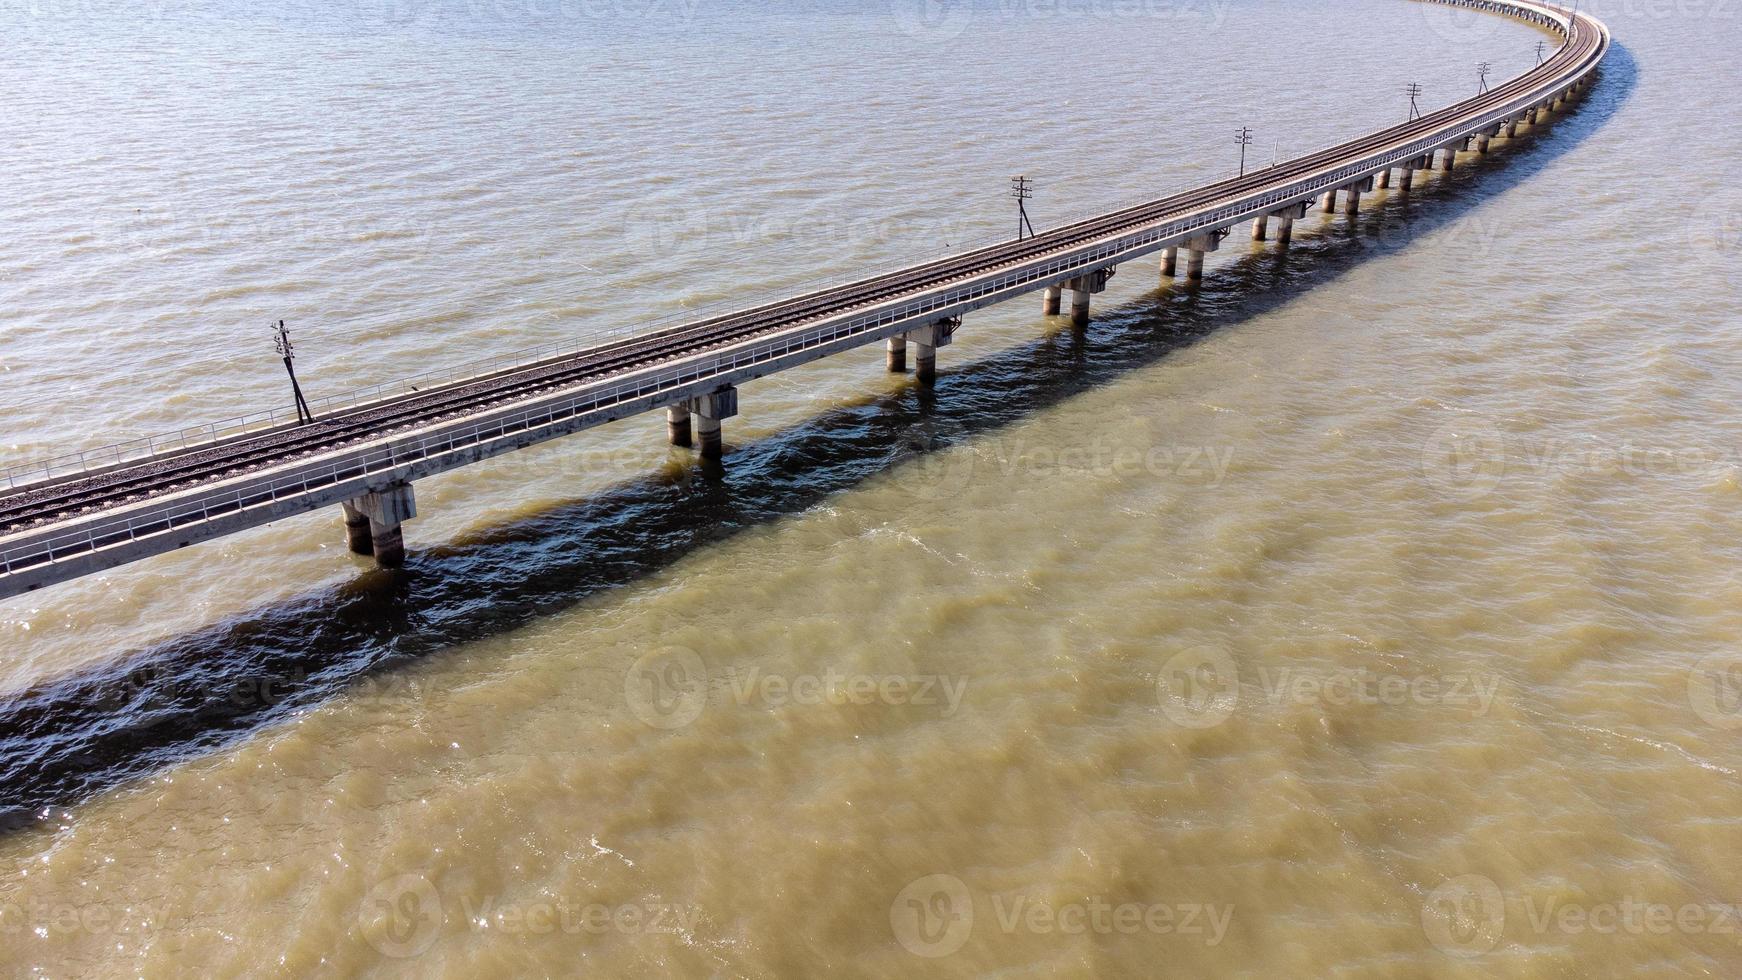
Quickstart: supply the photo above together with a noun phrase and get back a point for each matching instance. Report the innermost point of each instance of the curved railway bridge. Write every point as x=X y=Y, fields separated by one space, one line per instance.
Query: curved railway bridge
x=71 y=516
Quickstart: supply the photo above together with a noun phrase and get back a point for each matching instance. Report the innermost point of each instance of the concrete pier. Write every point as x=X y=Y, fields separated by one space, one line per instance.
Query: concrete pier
x=1482 y=144
x=1448 y=158
x=1352 y=201
x=677 y=426
x=1169 y=261
x=895 y=352
x=1196 y=249
x=1284 y=228
x=1049 y=301
x=1260 y=225
x=1328 y=204
x=710 y=410
x=1081 y=290
x=357 y=538
x=1512 y=128
x=1383 y=180
x=926 y=341
x=1406 y=178
x=385 y=511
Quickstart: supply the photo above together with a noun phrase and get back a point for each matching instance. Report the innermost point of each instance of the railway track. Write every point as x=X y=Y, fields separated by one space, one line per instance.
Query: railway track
x=46 y=503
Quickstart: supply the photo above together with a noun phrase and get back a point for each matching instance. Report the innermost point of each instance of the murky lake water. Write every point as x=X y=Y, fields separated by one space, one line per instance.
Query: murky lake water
x=1373 y=611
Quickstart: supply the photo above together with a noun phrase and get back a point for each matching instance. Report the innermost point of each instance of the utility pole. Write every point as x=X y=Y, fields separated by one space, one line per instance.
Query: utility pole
x=1541 y=46
x=1482 y=76
x=1412 y=90
x=1243 y=137
x=281 y=344
x=1022 y=189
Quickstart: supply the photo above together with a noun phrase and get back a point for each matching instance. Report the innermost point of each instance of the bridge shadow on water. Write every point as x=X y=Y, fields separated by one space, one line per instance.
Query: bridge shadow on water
x=79 y=735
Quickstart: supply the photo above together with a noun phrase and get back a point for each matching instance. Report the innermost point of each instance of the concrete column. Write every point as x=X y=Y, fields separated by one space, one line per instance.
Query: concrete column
x=709 y=409
x=1329 y=204
x=1049 y=303
x=1482 y=143
x=357 y=537
x=677 y=425
x=1407 y=178
x=1383 y=180
x=895 y=357
x=1196 y=249
x=1080 y=292
x=708 y=432
x=1260 y=225
x=386 y=510
x=1169 y=261
x=1285 y=228
x=1195 y=265
x=1512 y=128
x=1450 y=156
x=1352 y=201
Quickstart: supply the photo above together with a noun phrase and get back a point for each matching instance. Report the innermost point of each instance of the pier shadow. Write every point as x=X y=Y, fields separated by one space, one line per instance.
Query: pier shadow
x=79 y=735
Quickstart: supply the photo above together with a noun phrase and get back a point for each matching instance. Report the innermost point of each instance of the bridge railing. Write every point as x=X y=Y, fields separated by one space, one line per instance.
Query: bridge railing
x=192 y=438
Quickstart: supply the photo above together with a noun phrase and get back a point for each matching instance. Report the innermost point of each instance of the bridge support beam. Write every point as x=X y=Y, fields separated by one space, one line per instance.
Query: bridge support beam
x=357 y=538
x=1260 y=226
x=1049 y=300
x=1285 y=228
x=1382 y=180
x=1512 y=128
x=677 y=426
x=1169 y=261
x=1482 y=144
x=1406 y=176
x=895 y=354
x=709 y=410
x=386 y=510
x=1329 y=204
x=1448 y=158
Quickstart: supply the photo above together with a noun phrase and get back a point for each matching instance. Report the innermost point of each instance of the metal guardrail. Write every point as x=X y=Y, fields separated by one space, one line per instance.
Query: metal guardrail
x=184 y=509
x=84 y=462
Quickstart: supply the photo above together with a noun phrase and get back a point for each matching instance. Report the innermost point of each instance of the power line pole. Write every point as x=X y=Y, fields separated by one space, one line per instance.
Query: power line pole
x=1244 y=138
x=1412 y=90
x=1541 y=46
x=1022 y=189
x=281 y=344
x=1482 y=76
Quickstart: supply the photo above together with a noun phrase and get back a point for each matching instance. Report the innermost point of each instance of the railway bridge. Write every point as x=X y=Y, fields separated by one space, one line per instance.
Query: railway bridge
x=82 y=513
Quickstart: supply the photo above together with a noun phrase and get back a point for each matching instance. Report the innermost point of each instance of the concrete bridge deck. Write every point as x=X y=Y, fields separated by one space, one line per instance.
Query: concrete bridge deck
x=62 y=520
